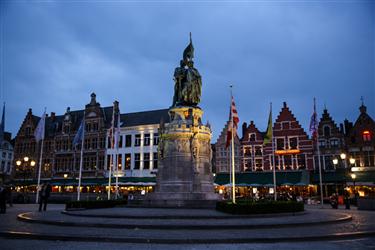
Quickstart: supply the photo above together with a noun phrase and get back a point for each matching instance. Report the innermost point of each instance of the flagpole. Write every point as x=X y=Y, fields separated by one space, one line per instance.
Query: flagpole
x=318 y=149
x=81 y=160
x=117 y=146
x=273 y=158
x=40 y=162
x=111 y=156
x=233 y=167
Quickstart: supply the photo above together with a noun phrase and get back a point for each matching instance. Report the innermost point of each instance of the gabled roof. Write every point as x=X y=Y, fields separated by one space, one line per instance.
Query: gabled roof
x=144 y=118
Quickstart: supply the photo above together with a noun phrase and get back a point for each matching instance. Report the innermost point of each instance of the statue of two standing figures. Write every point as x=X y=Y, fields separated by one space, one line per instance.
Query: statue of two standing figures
x=188 y=81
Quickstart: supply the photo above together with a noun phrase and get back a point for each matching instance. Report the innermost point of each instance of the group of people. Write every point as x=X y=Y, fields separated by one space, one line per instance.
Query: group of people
x=334 y=200
x=6 y=196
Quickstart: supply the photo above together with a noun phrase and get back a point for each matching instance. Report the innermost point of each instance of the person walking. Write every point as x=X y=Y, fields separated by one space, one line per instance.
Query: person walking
x=9 y=195
x=44 y=195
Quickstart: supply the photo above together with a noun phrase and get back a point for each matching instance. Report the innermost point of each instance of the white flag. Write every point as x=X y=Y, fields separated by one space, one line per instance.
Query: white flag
x=117 y=131
x=39 y=131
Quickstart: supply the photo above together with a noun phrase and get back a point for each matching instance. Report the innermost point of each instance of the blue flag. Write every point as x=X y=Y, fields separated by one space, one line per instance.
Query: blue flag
x=79 y=136
x=314 y=124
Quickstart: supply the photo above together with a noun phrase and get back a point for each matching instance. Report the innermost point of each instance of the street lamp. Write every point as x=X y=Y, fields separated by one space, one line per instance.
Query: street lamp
x=353 y=175
x=343 y=158
x=352 y=161
x=24 y=164
x=335 y=162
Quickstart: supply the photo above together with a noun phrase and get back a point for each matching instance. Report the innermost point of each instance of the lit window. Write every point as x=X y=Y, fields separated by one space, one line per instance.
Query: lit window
x=366 y=135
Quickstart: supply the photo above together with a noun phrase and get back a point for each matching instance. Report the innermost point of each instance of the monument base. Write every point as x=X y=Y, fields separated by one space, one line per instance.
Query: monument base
x=184 y=177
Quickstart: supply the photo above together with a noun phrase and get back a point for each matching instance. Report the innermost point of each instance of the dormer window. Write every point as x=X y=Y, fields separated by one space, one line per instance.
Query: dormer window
x=252 y=137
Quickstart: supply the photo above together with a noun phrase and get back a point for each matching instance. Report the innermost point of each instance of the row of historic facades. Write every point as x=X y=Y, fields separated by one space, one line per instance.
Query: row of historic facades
x=137 y=155
x=347 y=145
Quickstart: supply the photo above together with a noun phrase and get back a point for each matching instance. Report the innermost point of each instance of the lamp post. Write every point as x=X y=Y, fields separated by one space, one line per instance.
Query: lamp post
x=25 y=164
x=353 y=175
x=335 y=162
x=343 y=158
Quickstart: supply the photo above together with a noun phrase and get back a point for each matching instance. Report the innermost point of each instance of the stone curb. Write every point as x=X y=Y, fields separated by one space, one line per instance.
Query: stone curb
x=25 y=218
x=182 y=217
x=26 y=235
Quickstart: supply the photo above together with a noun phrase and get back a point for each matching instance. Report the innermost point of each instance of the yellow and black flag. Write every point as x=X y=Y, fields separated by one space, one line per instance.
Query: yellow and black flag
x=268 y=136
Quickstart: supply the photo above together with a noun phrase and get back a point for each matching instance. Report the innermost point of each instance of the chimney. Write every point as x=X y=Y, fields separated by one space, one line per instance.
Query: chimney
x=348 y=126
x=342 y=128
x=244 y=127
x=116 y=107
x=284 y=105
x=53 y=116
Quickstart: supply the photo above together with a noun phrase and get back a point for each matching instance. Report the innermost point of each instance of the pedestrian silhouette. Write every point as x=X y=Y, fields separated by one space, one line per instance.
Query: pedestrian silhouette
x=44 y=193
x=3 y=199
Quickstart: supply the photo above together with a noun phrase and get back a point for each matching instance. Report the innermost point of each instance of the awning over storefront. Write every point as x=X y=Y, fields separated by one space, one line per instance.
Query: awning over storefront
x=343 y=176
x=265 y=179
x=123 y=181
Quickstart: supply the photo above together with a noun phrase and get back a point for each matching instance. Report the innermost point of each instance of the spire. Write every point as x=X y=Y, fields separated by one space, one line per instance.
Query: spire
x=2 y=126
x=363 y=108
x=93 y=99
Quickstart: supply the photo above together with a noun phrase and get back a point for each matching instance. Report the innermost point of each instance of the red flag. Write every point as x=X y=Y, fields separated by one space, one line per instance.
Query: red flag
x=233 y=116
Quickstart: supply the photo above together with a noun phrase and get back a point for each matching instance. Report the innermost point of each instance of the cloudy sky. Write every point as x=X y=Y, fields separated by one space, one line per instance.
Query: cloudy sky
x=54 y=54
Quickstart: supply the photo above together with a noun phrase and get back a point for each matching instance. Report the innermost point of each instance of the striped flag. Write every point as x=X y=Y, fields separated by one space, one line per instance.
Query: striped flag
x=39 y=131
x=314 y=124
x=233 y=116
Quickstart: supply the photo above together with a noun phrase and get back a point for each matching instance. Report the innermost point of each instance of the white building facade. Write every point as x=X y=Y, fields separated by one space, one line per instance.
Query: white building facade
x=6 y=157
x=137 y=153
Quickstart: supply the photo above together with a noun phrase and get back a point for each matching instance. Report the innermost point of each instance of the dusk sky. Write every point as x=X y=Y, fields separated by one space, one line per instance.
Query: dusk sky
x=55 y=54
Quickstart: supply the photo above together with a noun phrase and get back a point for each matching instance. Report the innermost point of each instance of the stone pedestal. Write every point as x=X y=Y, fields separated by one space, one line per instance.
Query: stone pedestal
x=184 y=176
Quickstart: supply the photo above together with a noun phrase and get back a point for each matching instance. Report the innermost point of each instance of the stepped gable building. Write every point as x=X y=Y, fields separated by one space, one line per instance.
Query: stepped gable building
x=223 y=155
x=252 y=148
x=293 y=148
x=60 y=158
x=360 y=141
x=331 y=143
